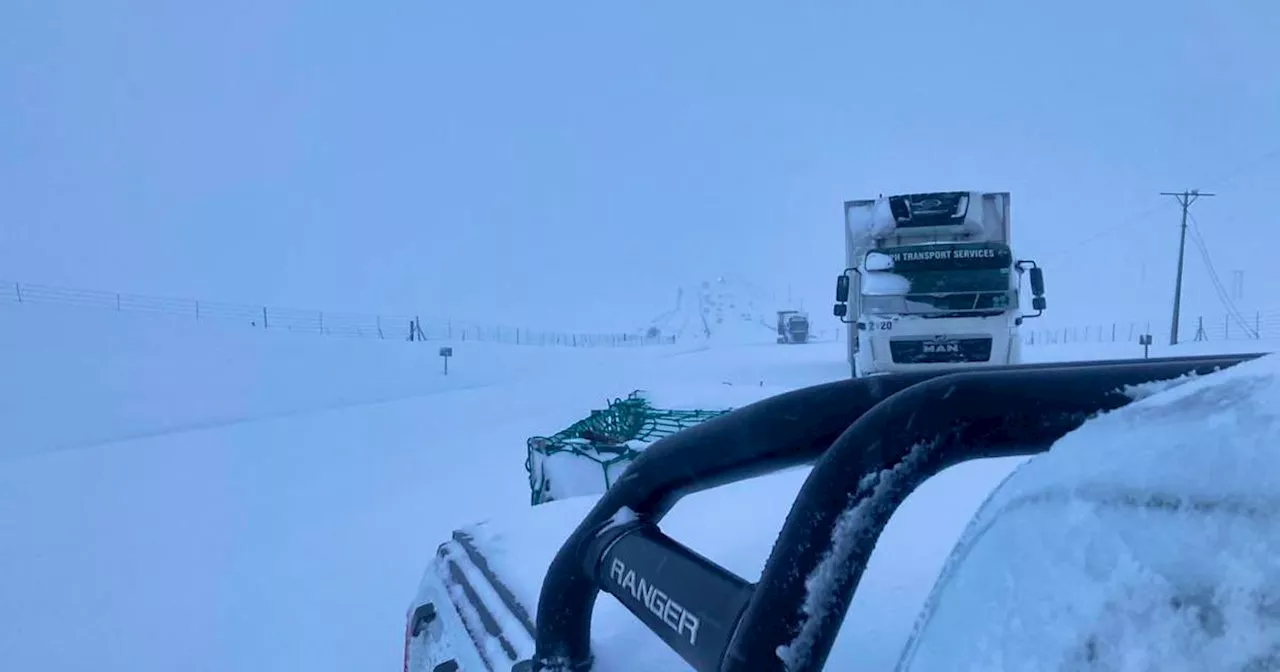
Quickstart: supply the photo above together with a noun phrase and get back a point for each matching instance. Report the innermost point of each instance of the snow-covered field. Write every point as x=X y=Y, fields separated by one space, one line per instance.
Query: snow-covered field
x=178 y=496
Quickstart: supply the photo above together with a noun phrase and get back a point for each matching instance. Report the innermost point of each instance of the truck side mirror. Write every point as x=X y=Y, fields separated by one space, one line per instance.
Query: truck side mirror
x=1037 y=282
x=842 y=289
x=1037 y=303
x=840 y=310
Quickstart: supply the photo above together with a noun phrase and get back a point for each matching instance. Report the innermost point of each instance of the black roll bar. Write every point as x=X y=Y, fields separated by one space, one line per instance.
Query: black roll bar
x=899 y=430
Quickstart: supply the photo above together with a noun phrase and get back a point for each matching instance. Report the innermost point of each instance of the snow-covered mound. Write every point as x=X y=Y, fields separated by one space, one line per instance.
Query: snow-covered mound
x=721 y=311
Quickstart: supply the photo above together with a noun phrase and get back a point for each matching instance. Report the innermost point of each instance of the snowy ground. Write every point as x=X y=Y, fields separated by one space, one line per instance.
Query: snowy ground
x=175 y=496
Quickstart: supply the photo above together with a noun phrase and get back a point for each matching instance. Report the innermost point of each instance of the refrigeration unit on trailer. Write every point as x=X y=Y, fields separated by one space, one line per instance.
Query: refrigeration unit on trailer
x=932 y=282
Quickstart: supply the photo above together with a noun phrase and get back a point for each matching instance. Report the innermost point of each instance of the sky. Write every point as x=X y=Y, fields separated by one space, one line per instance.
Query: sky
x=571 y=164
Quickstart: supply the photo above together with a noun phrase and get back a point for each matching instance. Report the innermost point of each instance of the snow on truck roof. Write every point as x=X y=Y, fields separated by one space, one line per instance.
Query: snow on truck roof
x=917 y=218
x=1198 y=458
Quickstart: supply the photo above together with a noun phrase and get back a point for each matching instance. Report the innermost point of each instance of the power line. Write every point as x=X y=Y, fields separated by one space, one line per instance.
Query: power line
x=1236 y=173
x=1247 y=168
x=1131 y=223
x=1224 y=297
x=1185 y=199
x=1232 y=311
x=1214 y=280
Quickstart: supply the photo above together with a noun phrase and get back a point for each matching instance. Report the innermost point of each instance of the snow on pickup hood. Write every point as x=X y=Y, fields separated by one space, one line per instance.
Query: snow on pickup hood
x=1146 y=540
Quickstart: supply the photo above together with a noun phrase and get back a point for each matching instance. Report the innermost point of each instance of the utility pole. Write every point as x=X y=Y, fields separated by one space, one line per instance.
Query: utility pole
x=1185 y=199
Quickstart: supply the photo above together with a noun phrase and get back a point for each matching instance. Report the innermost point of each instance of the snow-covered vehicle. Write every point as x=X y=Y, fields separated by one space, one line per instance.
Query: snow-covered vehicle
x=933 y=283
x=1146 y=536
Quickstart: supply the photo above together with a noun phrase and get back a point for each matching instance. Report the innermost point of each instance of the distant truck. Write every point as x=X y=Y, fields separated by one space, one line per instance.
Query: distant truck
x=932 y=282
x=793 y=326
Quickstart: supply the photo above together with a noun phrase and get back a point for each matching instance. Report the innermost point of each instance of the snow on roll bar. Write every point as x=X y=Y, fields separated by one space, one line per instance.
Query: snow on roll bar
x=872 y=442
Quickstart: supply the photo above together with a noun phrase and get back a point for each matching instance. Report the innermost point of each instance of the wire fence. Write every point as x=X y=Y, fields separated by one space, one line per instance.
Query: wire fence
x=1224 y=327
x=350 y=325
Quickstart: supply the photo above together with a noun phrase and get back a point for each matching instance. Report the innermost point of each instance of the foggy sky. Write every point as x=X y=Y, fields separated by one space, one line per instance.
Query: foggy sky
x=568 y=164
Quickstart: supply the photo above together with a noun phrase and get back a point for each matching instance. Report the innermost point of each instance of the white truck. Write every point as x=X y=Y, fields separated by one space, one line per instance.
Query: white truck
x=932 y=282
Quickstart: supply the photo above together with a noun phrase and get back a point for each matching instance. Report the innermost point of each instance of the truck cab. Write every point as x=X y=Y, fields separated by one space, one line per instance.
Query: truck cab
x=793 y=326
x=933 y=282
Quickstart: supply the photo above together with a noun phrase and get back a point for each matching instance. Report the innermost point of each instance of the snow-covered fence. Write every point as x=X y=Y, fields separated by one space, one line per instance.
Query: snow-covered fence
x=1224 y=327
x=352 y=325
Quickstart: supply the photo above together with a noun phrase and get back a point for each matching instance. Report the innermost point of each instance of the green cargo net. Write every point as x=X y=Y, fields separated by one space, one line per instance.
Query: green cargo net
x=588 y=456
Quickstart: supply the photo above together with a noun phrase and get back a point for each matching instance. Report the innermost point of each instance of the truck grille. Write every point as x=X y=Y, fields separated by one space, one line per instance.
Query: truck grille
x=940 y=350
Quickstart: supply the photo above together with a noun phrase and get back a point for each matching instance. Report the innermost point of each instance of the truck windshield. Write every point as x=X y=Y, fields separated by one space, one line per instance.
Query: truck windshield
x=942 y=279
x=938 y=291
